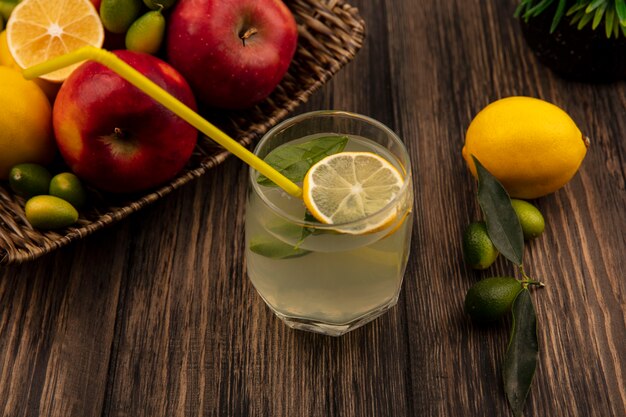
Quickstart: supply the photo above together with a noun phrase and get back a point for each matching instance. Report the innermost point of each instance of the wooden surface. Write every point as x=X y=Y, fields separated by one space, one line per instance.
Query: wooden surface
x=155 y=316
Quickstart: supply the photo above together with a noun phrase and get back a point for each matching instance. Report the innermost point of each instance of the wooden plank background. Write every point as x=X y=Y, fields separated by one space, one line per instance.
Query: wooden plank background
x=155 y=315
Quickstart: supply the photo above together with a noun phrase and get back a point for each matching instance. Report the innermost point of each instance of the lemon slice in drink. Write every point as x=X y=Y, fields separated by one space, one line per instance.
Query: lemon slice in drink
x=350 y=186
x=39 y=30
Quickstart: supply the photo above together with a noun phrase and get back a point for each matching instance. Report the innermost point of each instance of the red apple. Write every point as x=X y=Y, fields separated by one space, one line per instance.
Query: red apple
x=232 y=52
x=114 y=136
x=96 y=4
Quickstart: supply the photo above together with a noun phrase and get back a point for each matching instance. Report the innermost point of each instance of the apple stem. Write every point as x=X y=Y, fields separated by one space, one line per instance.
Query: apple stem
x=247 y=34
x=119 y=133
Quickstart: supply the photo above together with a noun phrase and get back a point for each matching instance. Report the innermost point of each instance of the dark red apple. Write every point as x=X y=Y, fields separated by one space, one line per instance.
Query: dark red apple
x=114 y=136
x=232 y=52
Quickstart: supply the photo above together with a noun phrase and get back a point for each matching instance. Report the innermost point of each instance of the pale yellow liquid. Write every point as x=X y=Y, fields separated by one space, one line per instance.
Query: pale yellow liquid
x=344 y=277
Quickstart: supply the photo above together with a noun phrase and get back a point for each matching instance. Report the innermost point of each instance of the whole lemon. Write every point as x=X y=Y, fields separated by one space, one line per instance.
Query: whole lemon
x=5 y=55
x=531 y=146
x=49 y=88
x=25 y=122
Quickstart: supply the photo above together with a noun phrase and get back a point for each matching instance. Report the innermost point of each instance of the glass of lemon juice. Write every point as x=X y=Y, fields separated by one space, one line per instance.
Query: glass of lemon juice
x=335 y=259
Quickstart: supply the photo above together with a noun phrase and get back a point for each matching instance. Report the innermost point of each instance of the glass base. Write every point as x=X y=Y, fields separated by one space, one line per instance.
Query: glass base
x=333 y=329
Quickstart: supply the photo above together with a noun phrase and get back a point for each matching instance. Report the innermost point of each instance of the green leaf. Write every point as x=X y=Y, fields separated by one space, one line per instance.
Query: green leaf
x=293 y=231
x=285 y=229
x=576 y=8
x=307 y=231
x=522 y=353
x=576 y=18
x=620 y=9
x=273 y=248
x=524 y=4
x=538 y=8
x=594 y=5
x=293 y=161
x=597 y=18
x=610 y=15
x=584 y=20
x=558 y=15
x=503 y=226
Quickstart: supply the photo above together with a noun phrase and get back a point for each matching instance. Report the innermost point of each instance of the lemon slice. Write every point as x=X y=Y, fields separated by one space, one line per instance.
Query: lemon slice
x=350 y=186
x=39 y=30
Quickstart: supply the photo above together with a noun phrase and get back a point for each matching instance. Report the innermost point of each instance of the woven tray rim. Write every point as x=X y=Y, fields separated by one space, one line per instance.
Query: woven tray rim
x=51 y=241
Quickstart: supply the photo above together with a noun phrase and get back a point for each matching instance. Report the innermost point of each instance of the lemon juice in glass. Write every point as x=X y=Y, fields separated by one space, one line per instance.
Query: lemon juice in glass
x=334 y=259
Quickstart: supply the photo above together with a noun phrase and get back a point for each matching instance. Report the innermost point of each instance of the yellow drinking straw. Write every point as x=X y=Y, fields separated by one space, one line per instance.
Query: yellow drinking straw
x=143 y=83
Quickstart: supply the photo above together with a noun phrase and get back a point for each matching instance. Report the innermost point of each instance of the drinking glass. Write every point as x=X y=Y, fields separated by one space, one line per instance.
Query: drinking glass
x=325 y=278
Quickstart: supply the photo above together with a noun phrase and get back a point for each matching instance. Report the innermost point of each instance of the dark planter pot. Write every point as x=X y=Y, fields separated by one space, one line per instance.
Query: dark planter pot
x=580 y=55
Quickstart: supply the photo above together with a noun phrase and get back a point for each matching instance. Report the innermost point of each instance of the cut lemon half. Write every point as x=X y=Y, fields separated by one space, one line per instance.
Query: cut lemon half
x=39 y=30
x=349 y=186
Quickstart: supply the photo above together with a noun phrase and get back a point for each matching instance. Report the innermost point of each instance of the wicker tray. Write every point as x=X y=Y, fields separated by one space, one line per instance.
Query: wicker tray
x=330 y=34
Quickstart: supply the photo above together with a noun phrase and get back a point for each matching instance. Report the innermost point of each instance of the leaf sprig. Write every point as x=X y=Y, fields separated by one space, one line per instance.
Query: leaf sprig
x=580 y=13
x=505 y=231
x=294 y=160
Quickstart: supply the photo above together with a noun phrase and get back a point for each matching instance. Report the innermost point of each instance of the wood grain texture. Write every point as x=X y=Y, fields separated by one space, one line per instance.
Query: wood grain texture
x=155 y=316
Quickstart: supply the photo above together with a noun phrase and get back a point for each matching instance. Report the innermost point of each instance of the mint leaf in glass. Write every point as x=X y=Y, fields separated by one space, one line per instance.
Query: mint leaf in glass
x=274 y=248
x=293 y=161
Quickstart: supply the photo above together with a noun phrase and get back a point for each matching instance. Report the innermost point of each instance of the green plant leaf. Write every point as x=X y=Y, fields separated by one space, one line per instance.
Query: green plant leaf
x=582 y=12
x=273 y=248
x=306 y=231
x=285 y=229
x=521 y=7
x=610 y=16
x=620 y=9
x=520 y=361
x=576 y=18
x=558 y=15
x=289 y=231
x=538 y=8
x=293 y=161
x=586 y=18
x=503 y=225
x=575 y=8
x=597 y=18
x=595 y=4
